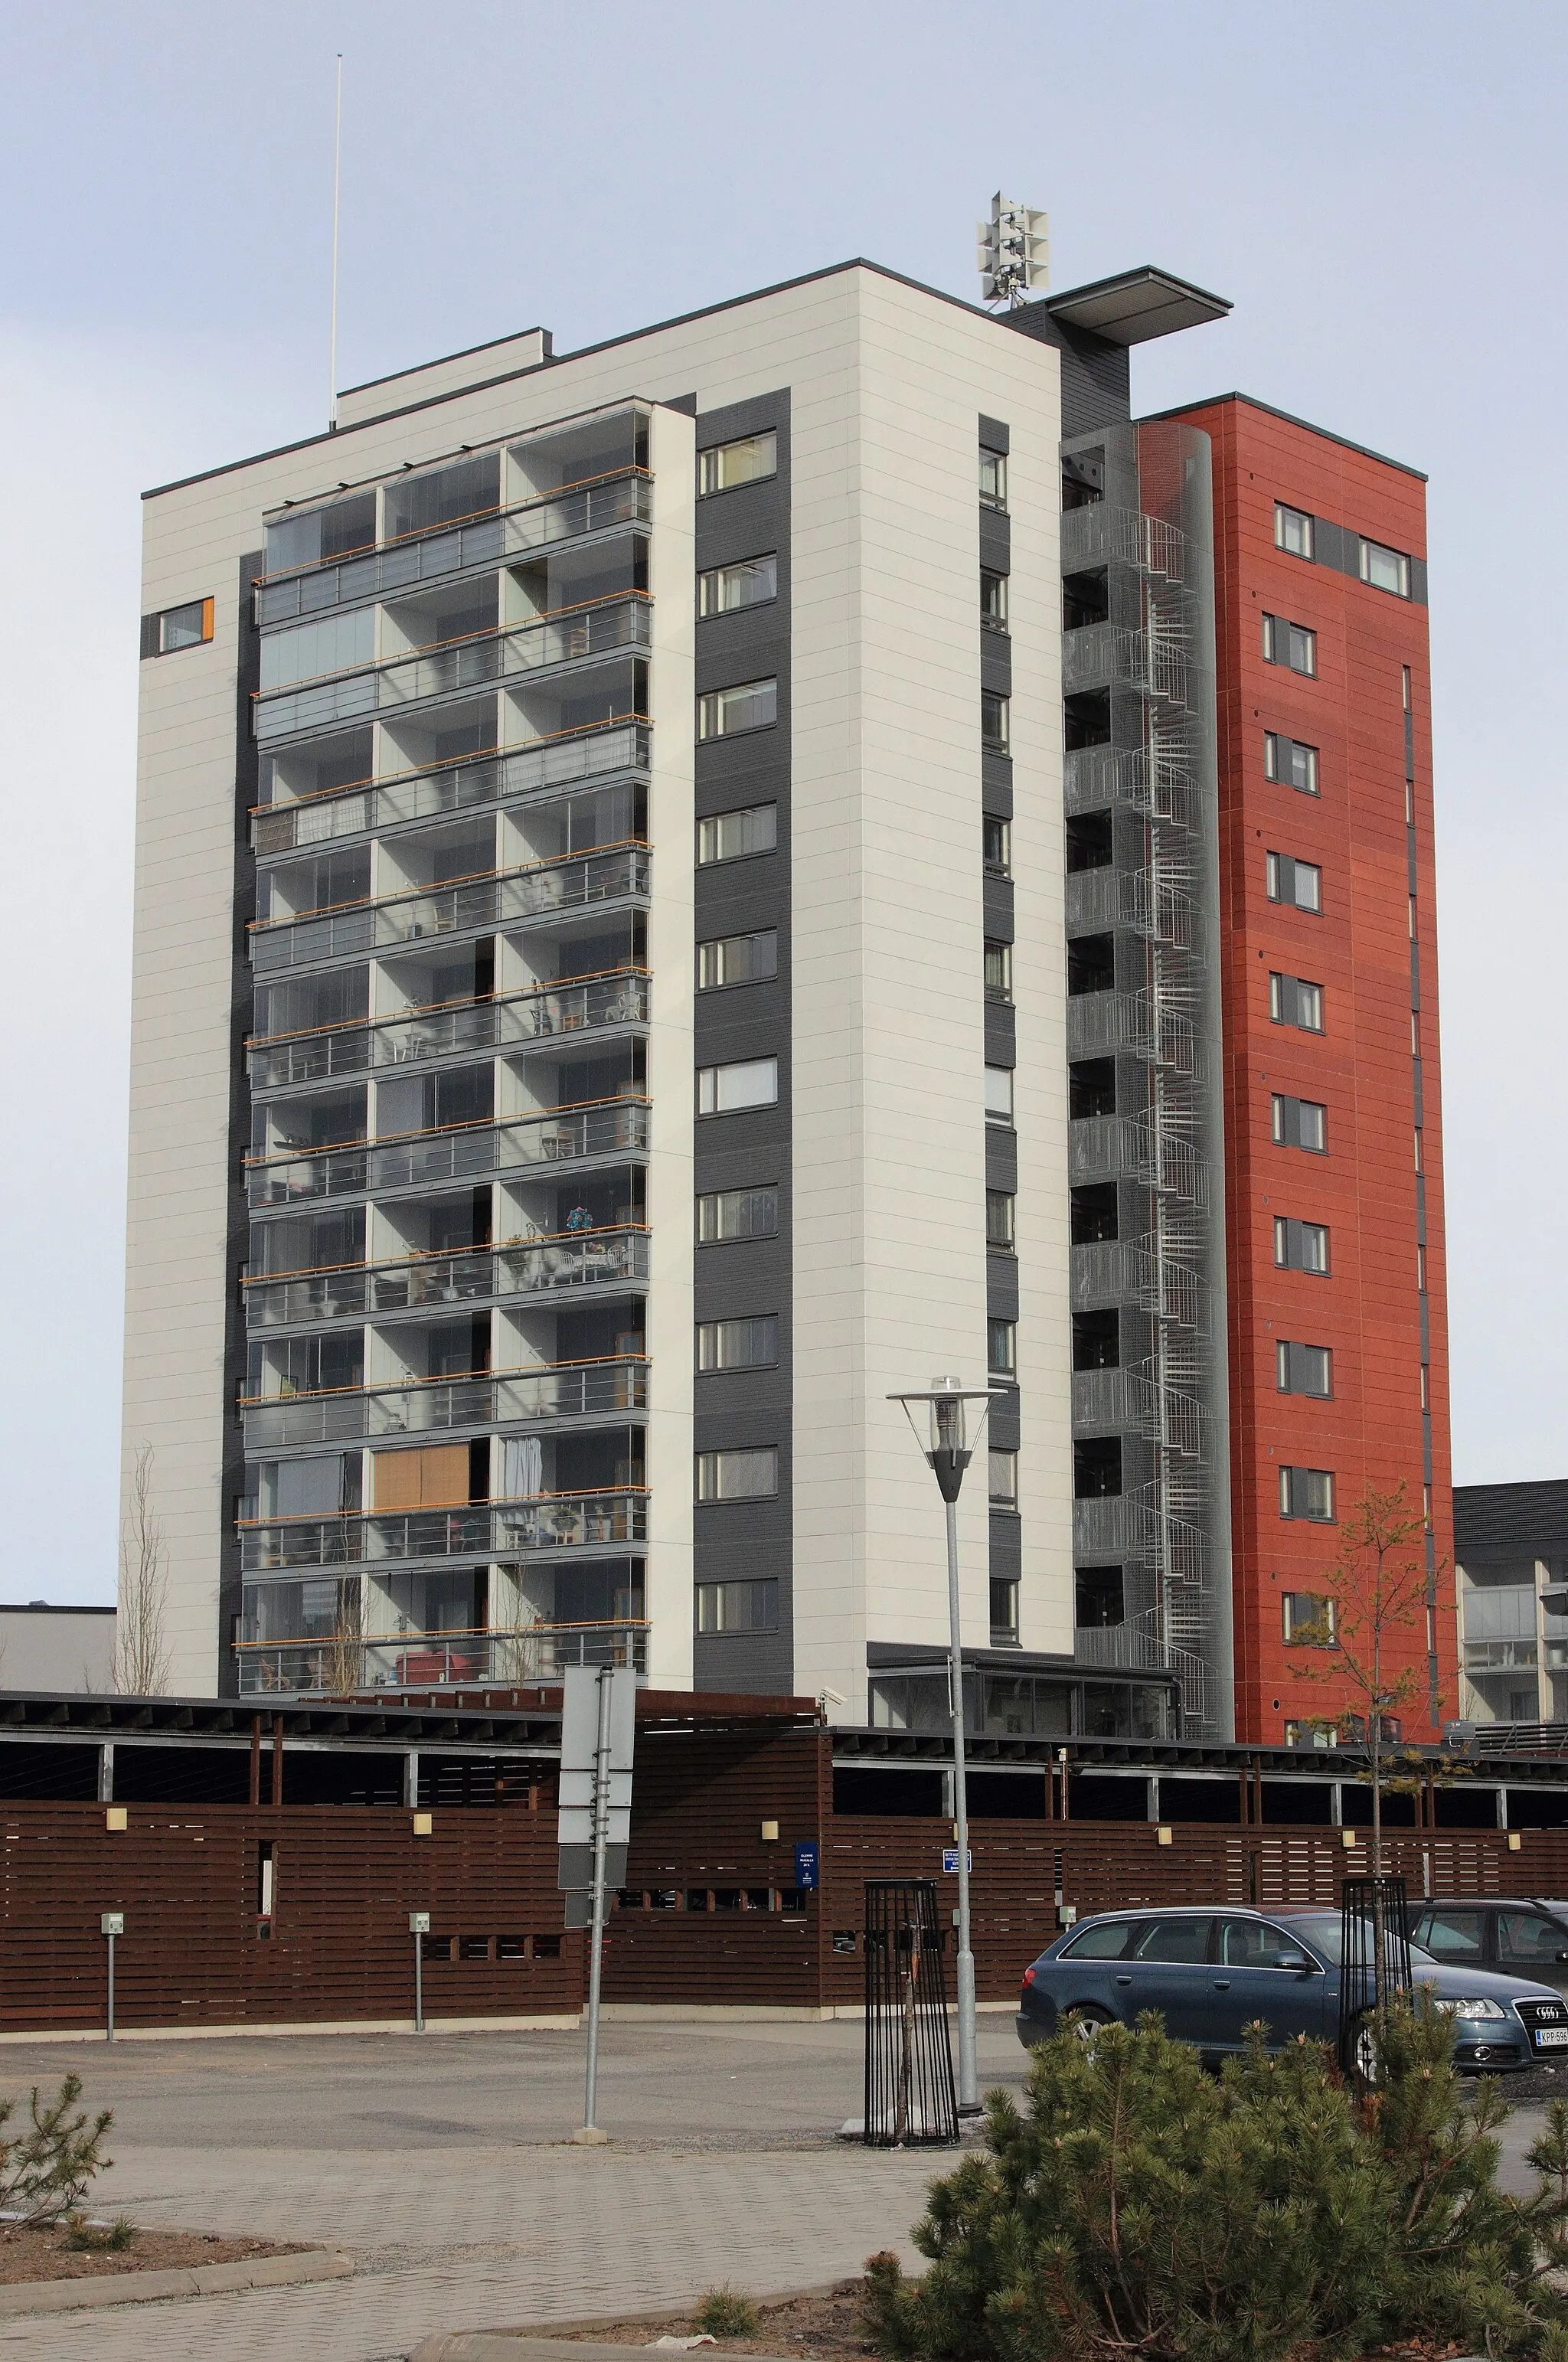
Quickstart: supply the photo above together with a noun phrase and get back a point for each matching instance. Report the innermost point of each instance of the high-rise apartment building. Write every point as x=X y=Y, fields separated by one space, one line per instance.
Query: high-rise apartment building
x=686 y=885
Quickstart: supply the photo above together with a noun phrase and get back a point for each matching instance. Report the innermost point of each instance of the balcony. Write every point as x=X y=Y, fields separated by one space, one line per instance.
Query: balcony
x=1127 y=1147
x=479 y=660
x=1121 y=1271
x=626 y=499
x=1155 y=903
x=1100 y=1023
x=479 y=1531
x=1131 y=1401
x=569 y=1136
x=581 y=1004
x=595 y=753
x=545 y=890
x=574 y=1261
x=1133 y=1526
x=1102 y=534
x=437 y=1406
x=1157 y=781
x=507 y=1657
x=1101 y=655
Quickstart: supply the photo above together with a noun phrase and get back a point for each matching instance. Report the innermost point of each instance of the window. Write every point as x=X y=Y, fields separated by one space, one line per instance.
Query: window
x=725 y=712
x=1287 y=760
x=724 y=588
x=1002 y=1482
x=1001 y=1348
x=1289 y=644
x=1307 y=1493
x=993 y=479
x=1304 y=1369
x=181 y=627
x=725 y=1090
x=1298 y=882
x=1100 y=1597
x=1309 y=1619
x=737 y=959
x=1385 y=569
x=737 y=1475
x=1174 y=1940
x=1292 y=1001
x=1456 y=1938
x=1004 y=1610
x=999 y=1094
x=1000 y=1209
x=1300 y=1123
x=1300 y=1246
x=1311 y=1734
x=1292 y=529
x=725 y=1214
x=996 y=840
x=1096 y=1467
x=998 y=971
x=1091 y=1087
x=993 y=600
x=732 y=836
x=738 y=1607
x=1105 y=1941
x=1094 y=1213
x=994 y=722
x=1091 y=963
x=738 y=1344
x=1096 y=1340
x=745 y=461
x=1530 y=1944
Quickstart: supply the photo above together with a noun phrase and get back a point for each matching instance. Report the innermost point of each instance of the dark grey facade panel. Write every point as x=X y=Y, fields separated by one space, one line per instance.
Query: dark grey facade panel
x=1511 y=1517
x=1415 y=1065
x=1418 y=581
x=996 y=543
x=1410 y=774
x=1420 y=1210
x=996 y=663
x=1426 y=1328
x=149 y=635
x=246 y=792
x=994 y=436
x=1335 y=546
x=998 y=909
x=996 y=786
x=1001 y=1034
x=1001 y=1157
x=738 y=1408
x=1006 y=1547
x=1414 y=975
x=1004 y=1426
x=1097 y=377
x=1002 y=1286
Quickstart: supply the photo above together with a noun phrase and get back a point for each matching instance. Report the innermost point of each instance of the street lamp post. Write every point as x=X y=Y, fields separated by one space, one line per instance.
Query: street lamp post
x=949 y=1446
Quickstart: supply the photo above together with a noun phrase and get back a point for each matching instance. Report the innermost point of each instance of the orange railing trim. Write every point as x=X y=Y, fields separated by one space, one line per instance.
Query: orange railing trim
x=434 y=1008
x=446 y=1508
x=449 y=525
x=459 y=640
x=463 y=1632
x=438 y=1254
x=446 y=884
x=435 y=1131
x=455 y=1378
x=377 y=780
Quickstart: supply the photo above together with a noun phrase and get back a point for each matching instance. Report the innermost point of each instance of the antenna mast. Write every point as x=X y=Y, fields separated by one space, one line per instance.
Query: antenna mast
x=337 y=190
x=1012 y=252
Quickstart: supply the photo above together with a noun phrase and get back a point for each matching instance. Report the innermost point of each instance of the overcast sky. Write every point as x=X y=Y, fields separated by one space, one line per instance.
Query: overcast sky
x=1378 y=188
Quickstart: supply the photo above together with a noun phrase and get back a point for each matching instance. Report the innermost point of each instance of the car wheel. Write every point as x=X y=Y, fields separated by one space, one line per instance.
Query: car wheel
x=1363 y=2053
x=1085 y=2020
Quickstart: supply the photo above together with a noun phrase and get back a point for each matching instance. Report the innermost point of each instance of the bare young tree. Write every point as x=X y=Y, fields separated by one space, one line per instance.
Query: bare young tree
x=141 y=1652
x=344 y=1665
x=1374 y=1595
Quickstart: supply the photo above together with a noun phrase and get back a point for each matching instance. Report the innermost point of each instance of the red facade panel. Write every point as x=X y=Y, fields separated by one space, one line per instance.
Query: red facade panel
x=1356 y=831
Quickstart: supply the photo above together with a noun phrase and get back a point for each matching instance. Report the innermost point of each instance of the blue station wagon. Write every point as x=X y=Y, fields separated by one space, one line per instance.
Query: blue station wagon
x=1211 y=1972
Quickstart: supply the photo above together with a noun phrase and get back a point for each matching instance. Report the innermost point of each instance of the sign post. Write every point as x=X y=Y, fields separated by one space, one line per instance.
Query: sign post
x=111 y=1924
x=598 y=1733
x=419 y=1928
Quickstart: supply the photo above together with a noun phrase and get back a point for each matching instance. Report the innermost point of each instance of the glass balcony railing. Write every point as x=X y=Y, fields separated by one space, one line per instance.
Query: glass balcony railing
x=570 y=1135
x=426 y=558
x=481 y=1530
x=546 y=890
x=370 y=805
x=432 y=1406
x=579 y=1004
x=571 y=1259
x=481 y=660
x=507 y=1656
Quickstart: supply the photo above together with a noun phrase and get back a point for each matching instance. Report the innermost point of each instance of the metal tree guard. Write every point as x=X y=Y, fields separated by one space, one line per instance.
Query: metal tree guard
x=909 y=2091
x=1375 y=1958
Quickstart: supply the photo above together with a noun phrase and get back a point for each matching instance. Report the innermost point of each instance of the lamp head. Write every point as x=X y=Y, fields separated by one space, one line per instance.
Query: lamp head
x=946 y=1430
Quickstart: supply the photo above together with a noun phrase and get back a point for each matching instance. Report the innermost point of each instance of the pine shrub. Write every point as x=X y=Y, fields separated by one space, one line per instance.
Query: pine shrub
x=1142 y=2208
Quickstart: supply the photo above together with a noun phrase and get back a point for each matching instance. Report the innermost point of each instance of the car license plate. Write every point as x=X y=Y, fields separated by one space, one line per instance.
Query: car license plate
x=1550 y=2037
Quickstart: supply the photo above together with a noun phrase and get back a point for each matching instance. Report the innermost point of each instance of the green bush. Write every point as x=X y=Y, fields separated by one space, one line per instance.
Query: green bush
x=724 y=2312
x=1144 y=2209
x=45 y=2172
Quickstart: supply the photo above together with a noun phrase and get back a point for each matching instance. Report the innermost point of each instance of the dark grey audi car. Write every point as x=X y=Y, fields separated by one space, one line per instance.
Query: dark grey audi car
x=1211 y=1972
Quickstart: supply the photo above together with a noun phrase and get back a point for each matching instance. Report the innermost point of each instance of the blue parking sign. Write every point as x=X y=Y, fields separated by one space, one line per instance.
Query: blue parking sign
x=806 y=1866
x=950 y=1860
